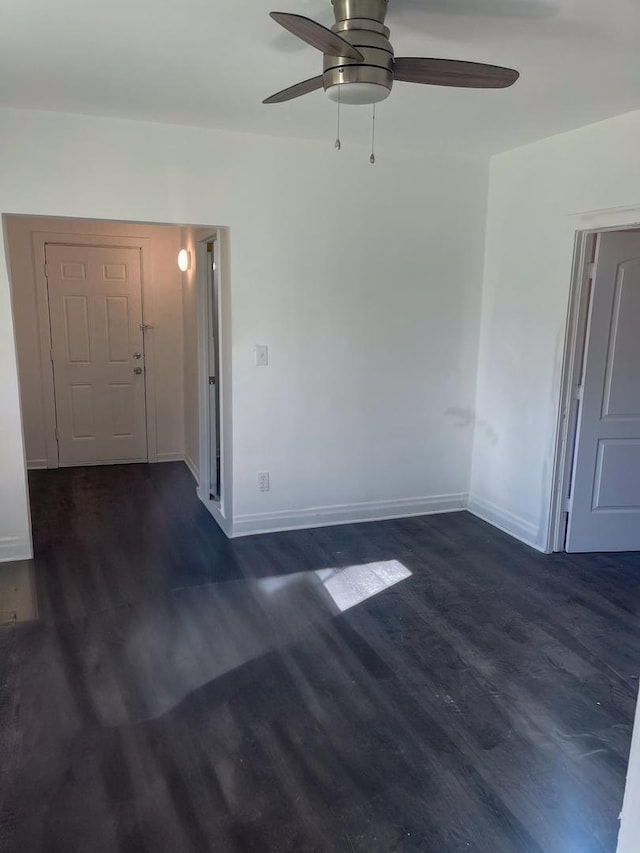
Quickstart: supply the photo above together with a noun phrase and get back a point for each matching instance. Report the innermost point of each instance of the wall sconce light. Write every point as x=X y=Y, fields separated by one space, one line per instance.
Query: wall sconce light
x=184 y=260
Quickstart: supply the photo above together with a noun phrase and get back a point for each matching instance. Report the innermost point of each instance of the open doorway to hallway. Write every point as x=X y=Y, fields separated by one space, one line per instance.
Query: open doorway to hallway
x=117 y=365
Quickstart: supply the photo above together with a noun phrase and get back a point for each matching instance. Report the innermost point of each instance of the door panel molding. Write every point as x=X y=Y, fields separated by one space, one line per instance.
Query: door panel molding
x=622 y=335
x=624 y=482
x=40 y=239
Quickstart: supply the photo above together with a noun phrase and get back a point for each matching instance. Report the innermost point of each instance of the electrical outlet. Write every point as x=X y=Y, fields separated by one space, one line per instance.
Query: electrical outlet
x=262 y=355
x=263 y=481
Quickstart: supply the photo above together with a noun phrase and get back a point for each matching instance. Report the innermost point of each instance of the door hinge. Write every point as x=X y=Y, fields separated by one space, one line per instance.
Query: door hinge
x=46 y=270
x=51 y=354
x=591 y=271
x=579 y=392
x=567 y=505
x=56 y=433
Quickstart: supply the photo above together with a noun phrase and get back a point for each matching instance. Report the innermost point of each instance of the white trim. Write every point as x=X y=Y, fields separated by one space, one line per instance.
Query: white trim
x=324 y=516
x=191 y=465
x=217 y=513
x=15 y=548
x=574 y=344
x=38 y=242
x=606 y=219
x=36 y=464
x=170 y=457
x=504 y=520
x=202 y=278
x=221 y=511
x=101 y=462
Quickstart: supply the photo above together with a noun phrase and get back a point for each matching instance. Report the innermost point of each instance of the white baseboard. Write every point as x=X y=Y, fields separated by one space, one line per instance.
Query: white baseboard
x=216 y=512
x=170 y=457
x=36 y=464
x=504 y=520
x=191 y=465
x=325 y=516
x=14 y=548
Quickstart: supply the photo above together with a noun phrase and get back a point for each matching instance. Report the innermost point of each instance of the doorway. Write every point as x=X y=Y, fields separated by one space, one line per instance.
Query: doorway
x=116 y=344
x=597 y=495
x=213 y=359
x=96 y=329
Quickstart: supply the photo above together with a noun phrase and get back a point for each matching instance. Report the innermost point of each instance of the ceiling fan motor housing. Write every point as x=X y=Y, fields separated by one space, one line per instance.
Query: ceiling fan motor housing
x=361 y=23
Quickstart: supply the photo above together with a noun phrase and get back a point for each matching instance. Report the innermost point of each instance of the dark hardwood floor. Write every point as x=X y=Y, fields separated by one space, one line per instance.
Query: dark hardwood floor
x=184 y=693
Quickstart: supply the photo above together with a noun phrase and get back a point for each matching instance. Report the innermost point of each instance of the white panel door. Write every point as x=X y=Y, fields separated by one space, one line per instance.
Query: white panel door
x=95 y=307
x=605 y=492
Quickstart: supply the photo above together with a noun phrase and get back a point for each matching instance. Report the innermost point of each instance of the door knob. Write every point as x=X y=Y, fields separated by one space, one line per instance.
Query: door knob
x=137 y=370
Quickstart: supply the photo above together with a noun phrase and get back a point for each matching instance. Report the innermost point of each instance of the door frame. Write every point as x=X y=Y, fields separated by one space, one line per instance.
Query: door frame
x=221 y=509
x=587 y=226
x=40 y=240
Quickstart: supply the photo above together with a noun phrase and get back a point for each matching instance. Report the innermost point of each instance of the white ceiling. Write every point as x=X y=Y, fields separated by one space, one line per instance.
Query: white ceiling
x=211 y=62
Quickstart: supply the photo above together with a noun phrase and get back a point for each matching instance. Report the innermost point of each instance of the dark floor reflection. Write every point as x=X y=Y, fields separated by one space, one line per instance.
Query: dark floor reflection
x=134 y=663
x=417 y=685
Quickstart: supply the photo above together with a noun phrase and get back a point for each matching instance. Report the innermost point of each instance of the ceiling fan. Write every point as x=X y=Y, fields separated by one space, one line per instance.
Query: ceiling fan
x=359 y=64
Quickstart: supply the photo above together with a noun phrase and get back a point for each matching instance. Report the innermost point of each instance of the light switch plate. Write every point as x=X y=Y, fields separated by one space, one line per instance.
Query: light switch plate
x=262 y=355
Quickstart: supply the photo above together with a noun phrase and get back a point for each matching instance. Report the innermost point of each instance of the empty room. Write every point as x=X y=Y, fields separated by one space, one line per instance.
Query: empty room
x=320 y=427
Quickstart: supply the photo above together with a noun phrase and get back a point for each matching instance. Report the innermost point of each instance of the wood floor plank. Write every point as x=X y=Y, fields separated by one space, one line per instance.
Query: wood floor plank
x=184 y=693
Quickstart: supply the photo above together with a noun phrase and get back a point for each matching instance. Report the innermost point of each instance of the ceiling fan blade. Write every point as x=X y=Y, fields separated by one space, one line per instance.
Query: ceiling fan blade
x=316 y=35
x=295 y=91
x=451 y=72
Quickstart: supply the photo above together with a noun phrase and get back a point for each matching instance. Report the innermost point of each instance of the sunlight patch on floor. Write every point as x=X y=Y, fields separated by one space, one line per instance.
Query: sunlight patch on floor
x=354 y=584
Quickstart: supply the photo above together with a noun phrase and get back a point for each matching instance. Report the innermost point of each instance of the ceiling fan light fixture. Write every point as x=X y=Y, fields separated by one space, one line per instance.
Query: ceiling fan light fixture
x=358 y=93
x=359 y=64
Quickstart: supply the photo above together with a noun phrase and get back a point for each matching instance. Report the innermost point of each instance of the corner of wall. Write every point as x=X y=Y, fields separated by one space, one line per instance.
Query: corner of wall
x=504 y=520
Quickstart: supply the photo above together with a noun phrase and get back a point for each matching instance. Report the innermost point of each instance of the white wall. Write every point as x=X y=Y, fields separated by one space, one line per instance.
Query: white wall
x=162 y=298
x=363 y=281
x=15 y=524
x=536 y=196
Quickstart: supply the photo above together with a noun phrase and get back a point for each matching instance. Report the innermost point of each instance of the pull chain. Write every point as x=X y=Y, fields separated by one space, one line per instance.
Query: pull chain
x=338 y=143
x=372 y=159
